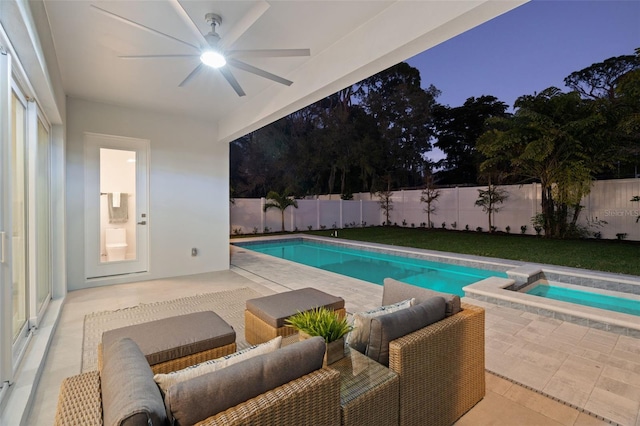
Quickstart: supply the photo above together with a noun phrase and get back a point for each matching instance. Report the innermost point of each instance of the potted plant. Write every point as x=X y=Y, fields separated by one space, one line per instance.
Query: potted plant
x=325 y=323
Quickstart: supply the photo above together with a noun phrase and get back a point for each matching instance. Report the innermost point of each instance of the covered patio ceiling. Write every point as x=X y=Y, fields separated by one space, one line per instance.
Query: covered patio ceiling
x=348 y=41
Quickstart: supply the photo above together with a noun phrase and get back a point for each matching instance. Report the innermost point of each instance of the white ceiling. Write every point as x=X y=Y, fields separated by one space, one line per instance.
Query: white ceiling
x=349 y=40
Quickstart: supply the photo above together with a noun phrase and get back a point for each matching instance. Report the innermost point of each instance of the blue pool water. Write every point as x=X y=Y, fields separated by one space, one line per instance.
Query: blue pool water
x=375 y=267
x=595 y=300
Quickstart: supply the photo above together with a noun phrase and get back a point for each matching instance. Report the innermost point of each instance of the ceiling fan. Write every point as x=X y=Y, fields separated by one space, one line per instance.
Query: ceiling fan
x=211 y=51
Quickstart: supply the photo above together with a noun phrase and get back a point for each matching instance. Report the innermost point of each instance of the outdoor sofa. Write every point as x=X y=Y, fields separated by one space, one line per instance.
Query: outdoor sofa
x=290 y=387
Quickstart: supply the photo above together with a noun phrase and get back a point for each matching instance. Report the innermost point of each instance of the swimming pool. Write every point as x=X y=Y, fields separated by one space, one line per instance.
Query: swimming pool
x=587 y=298
x=374 y=267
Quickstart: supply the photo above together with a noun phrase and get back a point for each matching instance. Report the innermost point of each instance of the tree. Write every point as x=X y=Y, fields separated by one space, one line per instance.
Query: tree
x=401 y=111
x=429 y=196
x=489 y=199
x=457 y=130
x=556 y=139
x=280 y=202
x=599 y=80
x=385 y=201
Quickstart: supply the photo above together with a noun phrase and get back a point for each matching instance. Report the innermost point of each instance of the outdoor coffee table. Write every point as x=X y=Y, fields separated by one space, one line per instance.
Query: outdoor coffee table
x=369 y=391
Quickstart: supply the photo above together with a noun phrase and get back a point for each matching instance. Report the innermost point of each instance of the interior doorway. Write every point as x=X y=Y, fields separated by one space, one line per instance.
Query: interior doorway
x=116 y=216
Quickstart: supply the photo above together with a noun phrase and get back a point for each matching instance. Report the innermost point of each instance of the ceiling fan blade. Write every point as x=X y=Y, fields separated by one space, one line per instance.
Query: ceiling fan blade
x=226 y=73
x=192 y=74
x=267 y=53
x=187 y=20
x=230 y=37
x=142 y=27
x=157 y=56
x=257 y=71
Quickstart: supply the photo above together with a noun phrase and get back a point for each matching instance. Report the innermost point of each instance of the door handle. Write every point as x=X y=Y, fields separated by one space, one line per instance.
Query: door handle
x=143 y=222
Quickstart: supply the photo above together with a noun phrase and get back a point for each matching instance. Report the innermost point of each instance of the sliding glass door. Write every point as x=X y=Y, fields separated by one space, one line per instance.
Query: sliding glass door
x=18 y=234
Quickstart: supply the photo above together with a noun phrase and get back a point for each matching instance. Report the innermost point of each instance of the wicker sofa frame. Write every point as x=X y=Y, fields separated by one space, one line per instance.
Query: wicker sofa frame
x=313 y=399
x=441 y=369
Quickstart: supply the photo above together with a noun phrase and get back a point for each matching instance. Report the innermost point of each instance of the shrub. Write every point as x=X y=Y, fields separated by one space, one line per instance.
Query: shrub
x=466 y=227
x=321 y=322
x=454 y=225
x=508 y=229
x=444 y=225
x=621 y=235
x=479 y=229
x=523 y=229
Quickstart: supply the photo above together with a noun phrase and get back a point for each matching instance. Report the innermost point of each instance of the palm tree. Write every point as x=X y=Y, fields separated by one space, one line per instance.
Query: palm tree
x=280 y=202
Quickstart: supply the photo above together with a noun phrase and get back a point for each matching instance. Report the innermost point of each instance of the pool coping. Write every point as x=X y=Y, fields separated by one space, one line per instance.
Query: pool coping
x=495 y=290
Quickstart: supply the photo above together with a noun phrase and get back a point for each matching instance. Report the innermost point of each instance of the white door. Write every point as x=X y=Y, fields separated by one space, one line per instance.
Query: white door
x=116 y=201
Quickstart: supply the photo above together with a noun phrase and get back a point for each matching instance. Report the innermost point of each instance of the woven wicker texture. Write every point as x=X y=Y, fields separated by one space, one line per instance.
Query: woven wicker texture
x=228 y=304
x=368 y=391
x=186 y=361
x=441 y=369
x=310 y=400
x=257 y=331
x=80 y=401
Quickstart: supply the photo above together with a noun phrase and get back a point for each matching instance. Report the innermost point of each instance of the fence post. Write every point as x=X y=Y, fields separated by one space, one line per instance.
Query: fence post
x=318 y=213
x=361 y=221
x=262 y=213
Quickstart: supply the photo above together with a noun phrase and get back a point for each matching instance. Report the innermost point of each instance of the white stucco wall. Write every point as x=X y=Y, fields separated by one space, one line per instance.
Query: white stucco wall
x=188 y=190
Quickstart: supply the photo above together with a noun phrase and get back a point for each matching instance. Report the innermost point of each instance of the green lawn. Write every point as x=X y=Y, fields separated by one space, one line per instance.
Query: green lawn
x=602 y=255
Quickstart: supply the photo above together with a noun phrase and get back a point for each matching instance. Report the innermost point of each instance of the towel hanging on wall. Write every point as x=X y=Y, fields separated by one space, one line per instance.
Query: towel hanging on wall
x=118 y=214
x=116 y=199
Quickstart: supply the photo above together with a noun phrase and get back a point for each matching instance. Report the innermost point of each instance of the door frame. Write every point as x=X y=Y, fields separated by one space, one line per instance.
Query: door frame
x=94 y=268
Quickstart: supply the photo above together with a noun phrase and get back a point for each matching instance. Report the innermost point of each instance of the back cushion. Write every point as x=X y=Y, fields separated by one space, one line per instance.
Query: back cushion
x=165 y=381
x=359 y=337
x=204 y=396
x=129 y=394
x=391 y=326
x=395 y=291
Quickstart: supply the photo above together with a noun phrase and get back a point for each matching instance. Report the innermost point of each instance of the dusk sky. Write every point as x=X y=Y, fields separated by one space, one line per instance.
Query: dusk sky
x=533 y=47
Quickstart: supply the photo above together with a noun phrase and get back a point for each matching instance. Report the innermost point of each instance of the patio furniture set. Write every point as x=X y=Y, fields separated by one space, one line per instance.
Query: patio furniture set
x=422 y=364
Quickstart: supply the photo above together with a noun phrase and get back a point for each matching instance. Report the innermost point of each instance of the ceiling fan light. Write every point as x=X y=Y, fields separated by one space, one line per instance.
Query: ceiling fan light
x=213 y=59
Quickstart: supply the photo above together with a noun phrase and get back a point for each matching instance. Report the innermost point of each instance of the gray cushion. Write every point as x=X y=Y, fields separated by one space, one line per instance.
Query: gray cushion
x=129 y=394
x=175 y=337
x=275 y=309
x=204 y=396
x=395 y=291
x=392 y=326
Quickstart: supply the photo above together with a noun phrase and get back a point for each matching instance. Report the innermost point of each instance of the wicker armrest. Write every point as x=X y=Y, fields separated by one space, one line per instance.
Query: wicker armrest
x=441 y=368
x=80 y=401
x=313 y=399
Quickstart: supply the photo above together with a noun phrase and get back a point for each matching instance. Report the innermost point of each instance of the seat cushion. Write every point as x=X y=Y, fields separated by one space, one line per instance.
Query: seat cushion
x=275 y=309
x=204 y=396
x=391 y=326
x=175 y=337
x=130 y=397
x=394 y=291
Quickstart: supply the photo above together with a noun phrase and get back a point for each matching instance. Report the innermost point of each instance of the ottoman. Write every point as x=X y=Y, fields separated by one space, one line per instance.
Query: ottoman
x=174 y=343
x=264 y=317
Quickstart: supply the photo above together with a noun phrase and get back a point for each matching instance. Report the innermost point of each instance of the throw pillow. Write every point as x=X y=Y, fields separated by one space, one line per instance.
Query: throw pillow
x=386 y=328
x=129 y=395
x=165 y=381
x=359 y=337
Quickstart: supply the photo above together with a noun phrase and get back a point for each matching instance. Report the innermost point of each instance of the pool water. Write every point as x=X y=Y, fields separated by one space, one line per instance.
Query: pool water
x=374 y=267
x=587 y=298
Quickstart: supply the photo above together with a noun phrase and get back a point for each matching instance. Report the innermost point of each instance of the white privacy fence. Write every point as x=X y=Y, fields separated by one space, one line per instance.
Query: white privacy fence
x=608 y=201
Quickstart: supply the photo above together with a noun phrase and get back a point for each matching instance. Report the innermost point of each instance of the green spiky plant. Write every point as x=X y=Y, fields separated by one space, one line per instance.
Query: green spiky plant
x=321 y=322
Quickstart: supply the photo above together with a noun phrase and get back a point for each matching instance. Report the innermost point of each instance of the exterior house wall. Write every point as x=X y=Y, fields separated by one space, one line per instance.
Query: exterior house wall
x=188 y=190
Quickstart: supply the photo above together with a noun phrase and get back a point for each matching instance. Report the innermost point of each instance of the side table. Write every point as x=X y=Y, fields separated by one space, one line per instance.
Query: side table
x=369 y=392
